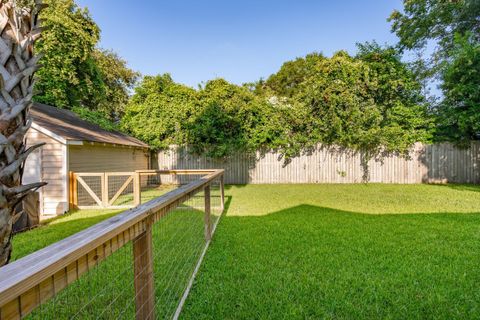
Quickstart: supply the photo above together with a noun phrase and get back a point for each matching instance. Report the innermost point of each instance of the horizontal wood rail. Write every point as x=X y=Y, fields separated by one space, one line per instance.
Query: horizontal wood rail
x=32 y=280
x=176 y=171
x=101 y=196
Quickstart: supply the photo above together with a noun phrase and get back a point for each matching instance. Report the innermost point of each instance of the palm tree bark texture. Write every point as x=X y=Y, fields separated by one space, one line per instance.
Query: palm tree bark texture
x=19 y=29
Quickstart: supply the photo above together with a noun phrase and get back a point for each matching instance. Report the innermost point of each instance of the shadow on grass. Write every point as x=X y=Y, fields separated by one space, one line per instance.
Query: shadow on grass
x=316 y=262
x=302 y=262
x=231 y=186
x=462 y=187
x=106 y=291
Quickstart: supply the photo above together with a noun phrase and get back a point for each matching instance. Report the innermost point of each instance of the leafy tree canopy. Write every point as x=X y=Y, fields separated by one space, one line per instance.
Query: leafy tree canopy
x=370 y=102
x=459 y=113
x=454 y=26
x=75 y=74
x=232 y=118
x=160 y=111
x=69 y=76
x=435 y=20
x=118 y=80
x=96 y=117
x=286 y=81
x=217 y=119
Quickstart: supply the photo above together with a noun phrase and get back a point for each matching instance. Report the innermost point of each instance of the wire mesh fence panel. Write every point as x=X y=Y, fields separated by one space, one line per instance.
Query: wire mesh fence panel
x=178 y=241
x=139 y=264
x=104 y=292
x=153 y=185
x=89 y=190
x=197 y=200
x=216 y=200
x=120 y=189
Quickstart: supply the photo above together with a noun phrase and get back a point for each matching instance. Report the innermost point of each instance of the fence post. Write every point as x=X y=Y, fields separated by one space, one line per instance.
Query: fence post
x=208 y=226
x=137 y=200
x=143 y=274
x=222 y=193
x=73 y=195
x=104 y=182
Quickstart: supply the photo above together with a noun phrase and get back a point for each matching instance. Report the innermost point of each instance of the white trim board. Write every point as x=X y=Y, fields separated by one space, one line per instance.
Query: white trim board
x=49 y=133
x=80 y=142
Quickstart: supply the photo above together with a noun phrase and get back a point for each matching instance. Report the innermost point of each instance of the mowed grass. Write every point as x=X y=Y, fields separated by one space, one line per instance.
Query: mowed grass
x=66 y=225
x=107 y=291
x=295 y=252
x=343 y=252
x=56 y=229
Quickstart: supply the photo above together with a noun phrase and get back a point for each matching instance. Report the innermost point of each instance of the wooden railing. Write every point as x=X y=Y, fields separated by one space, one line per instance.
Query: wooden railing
x=100 y=195
x=29 y=282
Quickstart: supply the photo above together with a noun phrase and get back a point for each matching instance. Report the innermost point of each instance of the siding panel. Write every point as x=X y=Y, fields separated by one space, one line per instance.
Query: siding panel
x=86 y=158
x=52 y=196
x=99 y=158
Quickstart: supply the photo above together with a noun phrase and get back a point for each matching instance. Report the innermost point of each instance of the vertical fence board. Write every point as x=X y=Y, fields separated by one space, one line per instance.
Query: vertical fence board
x=208 y=224
x=143 y=275
x=437 y=163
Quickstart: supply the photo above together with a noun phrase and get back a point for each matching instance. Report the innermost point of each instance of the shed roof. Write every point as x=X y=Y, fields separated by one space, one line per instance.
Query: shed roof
x=70 y=127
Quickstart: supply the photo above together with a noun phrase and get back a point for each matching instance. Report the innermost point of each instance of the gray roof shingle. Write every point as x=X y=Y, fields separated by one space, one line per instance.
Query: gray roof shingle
x=69 y=126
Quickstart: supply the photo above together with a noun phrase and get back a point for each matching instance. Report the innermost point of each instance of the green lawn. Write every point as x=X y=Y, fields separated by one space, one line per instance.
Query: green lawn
x=298 y=251
x=61 y=227
x=57 y=229
x=106 y=291
x=343 y=252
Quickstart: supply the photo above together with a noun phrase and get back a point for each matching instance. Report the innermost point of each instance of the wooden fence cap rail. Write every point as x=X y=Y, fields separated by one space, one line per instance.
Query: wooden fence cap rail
x=25 y=273
x=181 y=171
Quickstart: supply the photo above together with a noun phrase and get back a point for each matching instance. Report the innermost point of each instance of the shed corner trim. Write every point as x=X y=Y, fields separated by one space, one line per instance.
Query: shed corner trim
x=49 y=133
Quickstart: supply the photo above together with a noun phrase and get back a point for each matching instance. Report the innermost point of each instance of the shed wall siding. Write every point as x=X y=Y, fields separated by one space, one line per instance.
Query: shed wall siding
x=53 y=199
x=99 y=158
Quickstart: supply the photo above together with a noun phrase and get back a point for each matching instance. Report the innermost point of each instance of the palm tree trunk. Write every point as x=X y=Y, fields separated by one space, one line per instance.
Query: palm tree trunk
x=19 y=29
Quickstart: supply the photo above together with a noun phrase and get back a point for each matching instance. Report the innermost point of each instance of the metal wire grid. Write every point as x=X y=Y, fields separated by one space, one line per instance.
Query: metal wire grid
x=83 y=196
x=120 y=189
x=155 y=185
x=99 y=294
x=107 y=290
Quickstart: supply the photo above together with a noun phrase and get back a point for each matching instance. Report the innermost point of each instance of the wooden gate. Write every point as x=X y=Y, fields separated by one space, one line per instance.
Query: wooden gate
x=104 y=190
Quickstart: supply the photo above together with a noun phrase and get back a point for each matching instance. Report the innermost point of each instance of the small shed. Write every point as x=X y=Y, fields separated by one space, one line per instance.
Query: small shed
x=73 y=144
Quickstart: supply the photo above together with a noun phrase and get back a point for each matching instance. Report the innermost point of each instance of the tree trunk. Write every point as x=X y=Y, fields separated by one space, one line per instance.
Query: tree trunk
x=19 y=29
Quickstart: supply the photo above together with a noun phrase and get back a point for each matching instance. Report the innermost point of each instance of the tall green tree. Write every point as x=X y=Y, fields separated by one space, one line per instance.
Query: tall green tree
x=286 y=81
x=218 y=119
x=459 y=112
x=453 y=27
x=77 y=75
x=371 y=102
x=160 y=111
x=424 y=21
x=118 y=80
x=70 y=76
x=232 y=118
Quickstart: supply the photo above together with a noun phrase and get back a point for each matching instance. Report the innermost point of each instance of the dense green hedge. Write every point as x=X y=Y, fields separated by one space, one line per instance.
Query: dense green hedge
x=370 y=102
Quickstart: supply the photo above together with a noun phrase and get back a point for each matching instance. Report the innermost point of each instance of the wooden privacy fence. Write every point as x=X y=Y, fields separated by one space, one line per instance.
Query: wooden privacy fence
x=437 y=163
x=31 y=281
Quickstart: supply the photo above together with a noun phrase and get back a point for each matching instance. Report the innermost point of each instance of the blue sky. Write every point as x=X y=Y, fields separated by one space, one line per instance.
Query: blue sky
x=240 y=40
